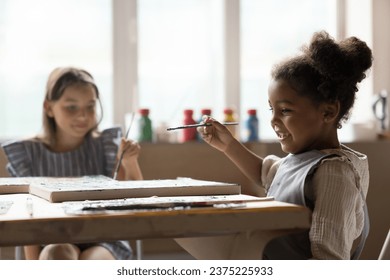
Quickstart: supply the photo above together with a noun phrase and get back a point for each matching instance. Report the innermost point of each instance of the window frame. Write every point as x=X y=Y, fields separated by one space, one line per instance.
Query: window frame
x=125 y=63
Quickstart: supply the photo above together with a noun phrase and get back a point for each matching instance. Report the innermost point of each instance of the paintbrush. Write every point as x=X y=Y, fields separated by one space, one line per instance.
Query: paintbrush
x=121 y=157
x=198 y=125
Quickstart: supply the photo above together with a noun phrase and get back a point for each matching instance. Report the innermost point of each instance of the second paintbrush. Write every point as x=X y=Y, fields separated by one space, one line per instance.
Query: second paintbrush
x=199 y=124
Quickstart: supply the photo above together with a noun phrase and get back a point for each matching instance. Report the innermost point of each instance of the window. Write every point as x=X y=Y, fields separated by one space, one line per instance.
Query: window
x=181 y=60
x=177 y=60
x=180 y=56
x=270 y=33
x=38 y=36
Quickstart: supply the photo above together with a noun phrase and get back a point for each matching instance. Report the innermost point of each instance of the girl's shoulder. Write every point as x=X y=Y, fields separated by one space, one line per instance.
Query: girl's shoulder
x=269 y=167
x=18 y=146
x=345 y=159
x=348 y=161
x=345 y=153
x=109 y=135
x=19 y=155
x=112 y=132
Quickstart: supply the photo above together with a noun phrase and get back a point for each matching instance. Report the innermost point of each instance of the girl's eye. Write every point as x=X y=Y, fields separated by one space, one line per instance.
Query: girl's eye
x=71 y=108
x=283 y=111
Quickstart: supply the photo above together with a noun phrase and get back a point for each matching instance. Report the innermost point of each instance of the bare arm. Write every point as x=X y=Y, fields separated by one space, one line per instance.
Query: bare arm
x=249 y=163
x=219 y=137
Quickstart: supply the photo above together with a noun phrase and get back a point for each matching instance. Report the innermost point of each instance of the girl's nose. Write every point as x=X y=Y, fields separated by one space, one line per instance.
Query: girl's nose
x=273 y=120
x=82 y=113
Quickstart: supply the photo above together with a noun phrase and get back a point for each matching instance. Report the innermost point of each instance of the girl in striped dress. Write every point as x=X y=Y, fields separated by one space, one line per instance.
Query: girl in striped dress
x=71 y=145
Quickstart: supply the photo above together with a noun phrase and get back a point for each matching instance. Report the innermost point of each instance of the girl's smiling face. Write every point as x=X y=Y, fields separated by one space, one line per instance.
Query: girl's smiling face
x=74 y=114
x=299 y=124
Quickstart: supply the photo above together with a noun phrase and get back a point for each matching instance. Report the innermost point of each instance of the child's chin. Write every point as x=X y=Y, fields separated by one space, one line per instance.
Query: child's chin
x=288 y=149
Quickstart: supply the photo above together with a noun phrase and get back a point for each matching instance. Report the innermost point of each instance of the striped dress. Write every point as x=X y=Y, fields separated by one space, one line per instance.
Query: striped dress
x=96 y=156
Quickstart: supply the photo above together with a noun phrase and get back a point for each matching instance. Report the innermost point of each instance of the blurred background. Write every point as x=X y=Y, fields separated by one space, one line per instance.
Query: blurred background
x=172 y=55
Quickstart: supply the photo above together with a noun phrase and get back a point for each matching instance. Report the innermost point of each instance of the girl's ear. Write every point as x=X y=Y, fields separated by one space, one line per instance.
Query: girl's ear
x=48 y=109
x=330 y=111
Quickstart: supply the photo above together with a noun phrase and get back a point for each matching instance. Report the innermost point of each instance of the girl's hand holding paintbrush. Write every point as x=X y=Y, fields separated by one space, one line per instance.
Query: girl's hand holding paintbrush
x=127 y=158
x=127 y=167
x=216 y=135
x=130 y=149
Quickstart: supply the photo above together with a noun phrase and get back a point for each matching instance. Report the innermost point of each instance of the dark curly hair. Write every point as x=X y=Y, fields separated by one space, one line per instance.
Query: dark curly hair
x=327 y=71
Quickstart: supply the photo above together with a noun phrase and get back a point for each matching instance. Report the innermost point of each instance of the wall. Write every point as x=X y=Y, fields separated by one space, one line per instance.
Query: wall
x=381 y=45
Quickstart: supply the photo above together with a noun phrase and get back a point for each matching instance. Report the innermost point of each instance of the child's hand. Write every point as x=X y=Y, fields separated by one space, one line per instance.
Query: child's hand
x=129 y=169
x=131 y=151
x=217 y=135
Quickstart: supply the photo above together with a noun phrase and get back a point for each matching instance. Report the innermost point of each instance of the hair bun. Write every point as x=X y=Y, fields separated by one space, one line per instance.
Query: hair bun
x=347 y=60
x=358 y=54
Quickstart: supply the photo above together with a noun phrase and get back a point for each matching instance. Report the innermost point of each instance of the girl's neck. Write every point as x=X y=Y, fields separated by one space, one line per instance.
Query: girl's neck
x=66 y=144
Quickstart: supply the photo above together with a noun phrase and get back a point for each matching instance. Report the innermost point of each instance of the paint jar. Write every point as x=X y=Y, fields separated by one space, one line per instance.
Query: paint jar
x=252 y=126
x=145 y=126
x=188 y=134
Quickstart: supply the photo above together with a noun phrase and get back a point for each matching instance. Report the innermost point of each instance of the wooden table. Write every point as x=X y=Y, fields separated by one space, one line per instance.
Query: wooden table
x=206 y=233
